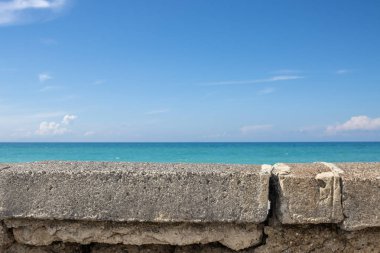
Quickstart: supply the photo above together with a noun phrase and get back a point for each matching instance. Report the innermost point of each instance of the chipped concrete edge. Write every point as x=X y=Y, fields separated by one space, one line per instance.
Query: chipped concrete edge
x=280 y=205
x=335 y=184
x=280 y=169
x=336 y=187
x=335 y=169
x=266 y=170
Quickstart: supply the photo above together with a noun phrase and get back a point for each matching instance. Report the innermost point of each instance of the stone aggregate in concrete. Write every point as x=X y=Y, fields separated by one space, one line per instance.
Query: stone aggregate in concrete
x=360 y=195
x=317 y=238
x=144 y=192
x=306 y=194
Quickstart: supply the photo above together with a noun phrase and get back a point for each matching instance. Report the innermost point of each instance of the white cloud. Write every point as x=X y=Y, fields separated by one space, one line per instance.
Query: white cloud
x=356 y=123
x=287 y=71
x=54 y=128
x=342 y=71
x=43 y=77
x=254 y=128
x=254 y=81
x=267 y=91
x=50 y=88
x=50 y=128
x=154 y=112
x=282 y=78
x=16 y=11
x=68 y=118
x=99 y=82
x=89 y=133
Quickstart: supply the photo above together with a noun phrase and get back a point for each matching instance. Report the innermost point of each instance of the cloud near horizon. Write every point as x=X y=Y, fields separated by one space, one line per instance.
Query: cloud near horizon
x=89 y=133
x=54 y=128
x=20 y=11
x=68 y=118
x=356 y=123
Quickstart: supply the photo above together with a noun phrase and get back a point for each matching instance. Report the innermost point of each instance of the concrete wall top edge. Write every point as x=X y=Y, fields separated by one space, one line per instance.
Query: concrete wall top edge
x=55 y=166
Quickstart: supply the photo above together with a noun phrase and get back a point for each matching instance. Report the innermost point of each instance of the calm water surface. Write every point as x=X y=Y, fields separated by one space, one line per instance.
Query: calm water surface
x=248 y=153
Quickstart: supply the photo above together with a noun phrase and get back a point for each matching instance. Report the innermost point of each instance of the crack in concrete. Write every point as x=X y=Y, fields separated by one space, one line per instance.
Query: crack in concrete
x=337 y=172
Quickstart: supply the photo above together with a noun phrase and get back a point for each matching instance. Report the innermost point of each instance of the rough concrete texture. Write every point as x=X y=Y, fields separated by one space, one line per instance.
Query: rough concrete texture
x=54 y=248
x=6 y=237
x=318 y=238
x=143 y=192
x=360 y=195
x=132 y=249
x=280 y=238
x=234 y=236
x=107 y=206
x=307 y=193
x=210 y=248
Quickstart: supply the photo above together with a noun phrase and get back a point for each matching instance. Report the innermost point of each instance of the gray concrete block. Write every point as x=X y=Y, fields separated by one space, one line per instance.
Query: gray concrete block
x=307 y=193
x=144 y=192
x=360 y=195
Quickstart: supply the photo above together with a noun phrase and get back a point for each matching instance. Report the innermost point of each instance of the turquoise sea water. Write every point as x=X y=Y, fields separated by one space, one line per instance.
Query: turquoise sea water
x=247 y=153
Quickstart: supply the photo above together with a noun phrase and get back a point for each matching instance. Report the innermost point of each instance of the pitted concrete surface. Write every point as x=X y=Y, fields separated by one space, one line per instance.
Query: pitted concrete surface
x=145 y=192
x=360 y=195
x=306 y=193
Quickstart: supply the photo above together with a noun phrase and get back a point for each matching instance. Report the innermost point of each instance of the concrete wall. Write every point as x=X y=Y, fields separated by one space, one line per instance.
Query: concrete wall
x=94 y=207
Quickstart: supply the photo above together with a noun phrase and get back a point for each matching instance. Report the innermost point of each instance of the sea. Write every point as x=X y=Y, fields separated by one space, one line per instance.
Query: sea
x=230 y=152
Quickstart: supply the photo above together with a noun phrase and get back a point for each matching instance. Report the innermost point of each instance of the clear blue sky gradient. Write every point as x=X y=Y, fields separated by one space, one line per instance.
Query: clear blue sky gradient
x=193 y=70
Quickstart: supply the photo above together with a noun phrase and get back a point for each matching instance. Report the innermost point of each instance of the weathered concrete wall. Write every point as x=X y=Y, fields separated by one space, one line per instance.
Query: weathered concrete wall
x=143 y=207
x=135 y=192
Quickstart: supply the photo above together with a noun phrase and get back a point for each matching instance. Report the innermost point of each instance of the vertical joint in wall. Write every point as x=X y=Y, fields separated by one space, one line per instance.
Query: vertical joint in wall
x=337 y=193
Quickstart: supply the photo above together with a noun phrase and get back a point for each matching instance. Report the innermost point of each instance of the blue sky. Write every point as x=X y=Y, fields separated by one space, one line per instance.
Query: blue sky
x=191 y=70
